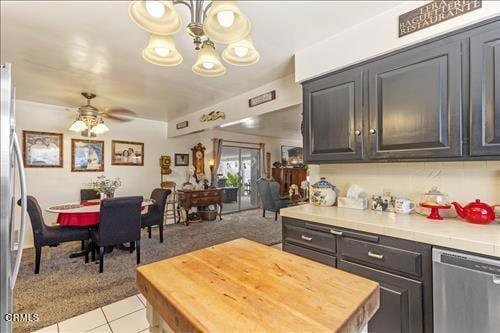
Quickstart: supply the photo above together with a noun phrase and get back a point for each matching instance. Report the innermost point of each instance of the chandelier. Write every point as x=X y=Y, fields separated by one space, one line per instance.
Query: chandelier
x=211 y=22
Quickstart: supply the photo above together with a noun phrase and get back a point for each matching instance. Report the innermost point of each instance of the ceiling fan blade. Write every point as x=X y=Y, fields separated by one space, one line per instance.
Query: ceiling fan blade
x=117 y=117
x=119 y=111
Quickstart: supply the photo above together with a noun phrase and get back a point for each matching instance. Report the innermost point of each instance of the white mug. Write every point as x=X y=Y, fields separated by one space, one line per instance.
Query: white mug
x=404 y=206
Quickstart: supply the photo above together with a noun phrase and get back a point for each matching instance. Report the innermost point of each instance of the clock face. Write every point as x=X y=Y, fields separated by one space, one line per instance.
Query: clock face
x=199 y=155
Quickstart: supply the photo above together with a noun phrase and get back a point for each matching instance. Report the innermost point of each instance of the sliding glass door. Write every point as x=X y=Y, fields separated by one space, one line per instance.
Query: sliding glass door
x=238 y=172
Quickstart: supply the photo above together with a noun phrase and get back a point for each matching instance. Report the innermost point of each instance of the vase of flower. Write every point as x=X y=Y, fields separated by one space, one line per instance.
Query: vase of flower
x=105 y=187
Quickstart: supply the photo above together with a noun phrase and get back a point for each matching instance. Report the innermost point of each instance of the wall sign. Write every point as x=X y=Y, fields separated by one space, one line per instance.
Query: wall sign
x=264 y=98
x=183 y=124
x=433 y=13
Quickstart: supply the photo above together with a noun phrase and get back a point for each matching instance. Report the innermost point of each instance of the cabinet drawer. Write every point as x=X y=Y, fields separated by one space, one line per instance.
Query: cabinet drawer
x=310 y=254
x=383 y=256
x=320 y=241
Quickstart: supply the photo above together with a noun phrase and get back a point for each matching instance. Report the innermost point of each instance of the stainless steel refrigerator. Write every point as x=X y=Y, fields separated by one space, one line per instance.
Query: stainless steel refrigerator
x=11 y=163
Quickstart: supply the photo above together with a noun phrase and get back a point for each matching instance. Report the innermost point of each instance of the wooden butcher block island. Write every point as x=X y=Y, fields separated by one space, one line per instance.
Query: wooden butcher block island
x=244 y=286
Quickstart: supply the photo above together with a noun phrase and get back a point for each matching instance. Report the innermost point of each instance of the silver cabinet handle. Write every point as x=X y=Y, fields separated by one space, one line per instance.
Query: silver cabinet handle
x=372 y=131
x=306 y=238
x=336 y=232
x=357 y=132
x=375 y=255
x=22 y=180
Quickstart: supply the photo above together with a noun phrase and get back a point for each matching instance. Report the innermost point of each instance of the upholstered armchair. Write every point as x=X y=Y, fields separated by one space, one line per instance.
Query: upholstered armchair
x=269 y=195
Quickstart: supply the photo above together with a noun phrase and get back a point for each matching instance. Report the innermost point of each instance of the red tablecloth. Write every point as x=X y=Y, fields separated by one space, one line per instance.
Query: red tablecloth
x=78 y=220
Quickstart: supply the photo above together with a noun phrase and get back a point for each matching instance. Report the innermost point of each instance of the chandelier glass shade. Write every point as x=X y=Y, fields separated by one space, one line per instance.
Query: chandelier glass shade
x=241 y=53
x=157 y=17
x=161 y=51
x=225 y=23
x=208 y=63
x=211 y=21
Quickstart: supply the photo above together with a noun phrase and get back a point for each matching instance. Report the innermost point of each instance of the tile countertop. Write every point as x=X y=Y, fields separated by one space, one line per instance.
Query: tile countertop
x=451 y=233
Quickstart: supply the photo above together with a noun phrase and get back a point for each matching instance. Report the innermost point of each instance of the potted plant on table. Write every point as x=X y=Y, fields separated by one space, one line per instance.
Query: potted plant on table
x=105 y=186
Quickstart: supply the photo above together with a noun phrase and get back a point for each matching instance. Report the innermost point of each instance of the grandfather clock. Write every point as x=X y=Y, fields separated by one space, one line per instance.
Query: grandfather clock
x=199 y=159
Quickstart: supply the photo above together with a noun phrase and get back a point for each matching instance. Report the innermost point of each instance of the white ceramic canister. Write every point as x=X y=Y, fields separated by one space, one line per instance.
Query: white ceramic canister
x=323 y=193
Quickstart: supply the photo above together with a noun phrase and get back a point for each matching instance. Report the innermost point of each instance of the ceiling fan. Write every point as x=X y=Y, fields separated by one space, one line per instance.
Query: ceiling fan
x=89 y=120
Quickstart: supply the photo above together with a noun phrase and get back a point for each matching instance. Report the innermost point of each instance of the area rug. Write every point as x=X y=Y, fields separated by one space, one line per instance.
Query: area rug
x=68 y=287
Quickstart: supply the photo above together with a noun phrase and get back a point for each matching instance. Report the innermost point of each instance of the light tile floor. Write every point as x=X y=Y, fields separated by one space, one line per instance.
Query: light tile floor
x=127 y=315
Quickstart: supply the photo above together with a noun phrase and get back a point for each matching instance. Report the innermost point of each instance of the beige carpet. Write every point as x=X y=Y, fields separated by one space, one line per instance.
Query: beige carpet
x=67 y=287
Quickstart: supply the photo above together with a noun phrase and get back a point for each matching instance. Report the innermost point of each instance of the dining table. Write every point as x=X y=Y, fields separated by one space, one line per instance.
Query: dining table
x=85 y=214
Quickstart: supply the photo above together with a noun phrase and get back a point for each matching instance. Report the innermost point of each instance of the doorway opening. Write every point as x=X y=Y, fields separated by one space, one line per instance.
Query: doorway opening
x=239 y=170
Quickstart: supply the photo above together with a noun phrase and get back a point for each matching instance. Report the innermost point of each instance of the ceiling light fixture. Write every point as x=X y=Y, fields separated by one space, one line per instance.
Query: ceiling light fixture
x=208 y=63
x=241 y=53
x=211 y=21
x=157 y=17
x=161 y=51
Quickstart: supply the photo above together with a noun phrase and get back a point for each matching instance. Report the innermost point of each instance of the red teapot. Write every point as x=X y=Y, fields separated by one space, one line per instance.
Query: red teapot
x=476 y=212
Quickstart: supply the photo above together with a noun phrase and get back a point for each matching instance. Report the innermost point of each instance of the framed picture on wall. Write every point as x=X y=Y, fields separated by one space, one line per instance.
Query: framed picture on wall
x=181 y=159
x=292 y=156
x=127 y=153
x=42 y=149
x=87 y=155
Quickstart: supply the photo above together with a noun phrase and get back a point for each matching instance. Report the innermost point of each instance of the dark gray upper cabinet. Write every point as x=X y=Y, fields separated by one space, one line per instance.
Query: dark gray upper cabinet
x=437 y=100
x=333 y=118
x=415 y=103
x=485 y=91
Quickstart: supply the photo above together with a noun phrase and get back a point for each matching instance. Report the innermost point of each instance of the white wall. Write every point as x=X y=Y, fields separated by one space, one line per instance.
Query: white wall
x=288 y=93
x=59 y=185
x=462 y=181
x=376 y=36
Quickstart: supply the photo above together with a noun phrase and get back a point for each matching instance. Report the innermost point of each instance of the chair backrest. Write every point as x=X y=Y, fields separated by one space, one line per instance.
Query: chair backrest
x=168 y=185
x=268 y=193
x=159 y=195
x=88 y=194
x=36 y=218
x=120 y=220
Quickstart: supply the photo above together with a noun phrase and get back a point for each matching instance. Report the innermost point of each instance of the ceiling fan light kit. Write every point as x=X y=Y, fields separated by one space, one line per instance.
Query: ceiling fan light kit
x=89 y=121
x=161 y=51
x=210 y=21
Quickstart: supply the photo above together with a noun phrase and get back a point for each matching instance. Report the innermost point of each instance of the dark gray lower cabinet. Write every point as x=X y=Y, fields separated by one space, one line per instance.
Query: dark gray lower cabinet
x=402 y=268
x=485 y=91
x=401 y=300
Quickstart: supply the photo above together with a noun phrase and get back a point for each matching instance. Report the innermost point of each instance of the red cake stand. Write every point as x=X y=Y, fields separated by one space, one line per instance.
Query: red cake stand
x=434 y=215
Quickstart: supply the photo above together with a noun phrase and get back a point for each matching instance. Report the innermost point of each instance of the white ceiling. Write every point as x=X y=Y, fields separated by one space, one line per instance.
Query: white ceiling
x=281 y=124
x=60 y=48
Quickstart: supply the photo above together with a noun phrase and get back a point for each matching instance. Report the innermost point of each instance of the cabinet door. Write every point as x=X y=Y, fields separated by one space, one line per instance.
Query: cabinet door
x=485 y=92
x=401 y=301
x=333 y=118
x=415 y=103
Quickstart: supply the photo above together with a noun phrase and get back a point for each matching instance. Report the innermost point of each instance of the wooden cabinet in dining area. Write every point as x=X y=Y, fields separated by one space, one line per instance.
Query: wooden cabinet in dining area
x=287 y=177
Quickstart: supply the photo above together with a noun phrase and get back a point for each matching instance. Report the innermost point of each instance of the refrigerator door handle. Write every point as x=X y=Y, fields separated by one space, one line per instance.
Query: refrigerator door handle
x=22 y=227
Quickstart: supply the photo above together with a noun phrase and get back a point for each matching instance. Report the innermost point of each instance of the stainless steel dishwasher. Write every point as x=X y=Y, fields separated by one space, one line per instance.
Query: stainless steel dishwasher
x=466 y=293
